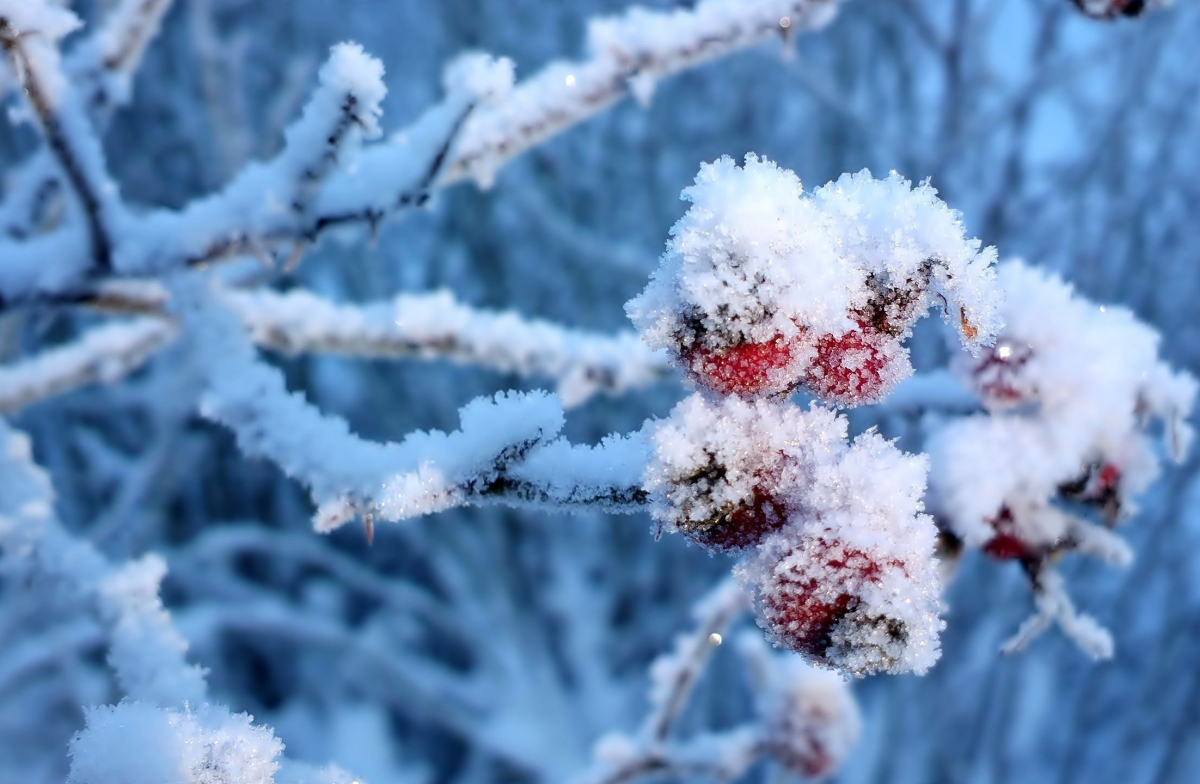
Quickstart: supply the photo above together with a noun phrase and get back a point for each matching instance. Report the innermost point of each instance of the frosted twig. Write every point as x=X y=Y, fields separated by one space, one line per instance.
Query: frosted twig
x=101 y=68
x=713 y=757
x=506 y=451
x=147 y=653
x=720 y=757
x=66 y=128
x=103 y=354
x=675 y=674
x=438 y=326
x=1054 y=605
x=425 y=326
x=627 y=54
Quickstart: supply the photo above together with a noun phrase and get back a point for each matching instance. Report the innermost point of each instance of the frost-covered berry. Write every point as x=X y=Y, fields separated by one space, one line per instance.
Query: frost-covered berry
x=1006 y=544
x=727 y=472
x=747 y=369
x=819 y=599
x=764 y=287
x=850 y=581
x=856 y=367
x=812 y=721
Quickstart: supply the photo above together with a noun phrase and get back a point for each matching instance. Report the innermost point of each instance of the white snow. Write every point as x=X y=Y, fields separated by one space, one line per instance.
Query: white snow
x=137 y=743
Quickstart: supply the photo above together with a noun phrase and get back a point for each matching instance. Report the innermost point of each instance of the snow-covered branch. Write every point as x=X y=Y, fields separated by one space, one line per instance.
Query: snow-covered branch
x=29 y=33
x=627 y=54
x=147 y=653
x=505 y=451
x=438 y=326
x=426 y=326
x=179 y=734
x=104 y=354
x=101 y=68
x=310 y=188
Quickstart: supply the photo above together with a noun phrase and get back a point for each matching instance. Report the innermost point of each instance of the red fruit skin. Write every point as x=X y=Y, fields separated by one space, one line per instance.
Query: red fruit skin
x=1006 y=545
x=831 y=379
x=1108 y=478
x=803 y=613
x=740 y=529
x=747 y=370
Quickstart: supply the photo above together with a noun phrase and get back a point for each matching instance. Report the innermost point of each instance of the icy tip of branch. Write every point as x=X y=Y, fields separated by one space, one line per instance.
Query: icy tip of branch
x=1054 y=605
x=480 y=76
x=40 y=17
x=351 y=70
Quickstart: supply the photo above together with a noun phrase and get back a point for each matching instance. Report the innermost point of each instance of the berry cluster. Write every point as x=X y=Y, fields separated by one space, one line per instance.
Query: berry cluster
x=1062 y=447
x=838 y=555
x=765 y=289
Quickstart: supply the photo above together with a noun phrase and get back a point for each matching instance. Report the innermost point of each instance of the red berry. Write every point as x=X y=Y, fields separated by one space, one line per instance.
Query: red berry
x=747 y=369
x=1005 y=545
x=1108 y=477
x=816 y=591
x=739 y=528
x=849 y=369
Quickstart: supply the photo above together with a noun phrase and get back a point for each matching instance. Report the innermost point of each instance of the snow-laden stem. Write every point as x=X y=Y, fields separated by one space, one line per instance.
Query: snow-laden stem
x=507 y=450
x=676 y=675
x=101 y=68
x=146 y=651
x=425 y=326
x=628 y=54
x=67 y=131
x=653 y=753
x=104 y=354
